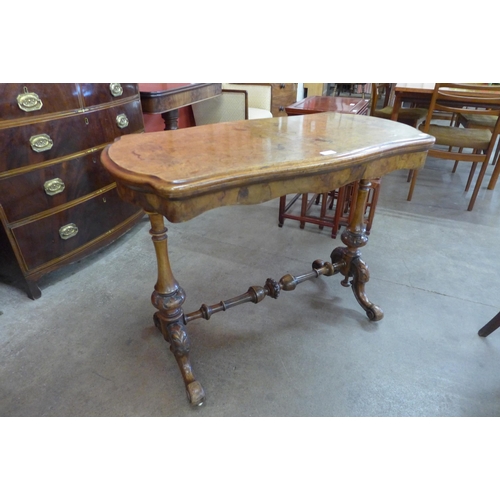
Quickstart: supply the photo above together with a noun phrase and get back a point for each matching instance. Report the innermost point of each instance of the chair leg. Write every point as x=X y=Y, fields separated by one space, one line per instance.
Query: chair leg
x=471 y=175
x=484 y=166
x=491 y=326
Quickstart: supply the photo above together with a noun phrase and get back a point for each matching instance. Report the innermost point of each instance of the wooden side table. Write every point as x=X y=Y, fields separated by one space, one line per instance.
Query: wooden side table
x=333 y=209
x=182 y=173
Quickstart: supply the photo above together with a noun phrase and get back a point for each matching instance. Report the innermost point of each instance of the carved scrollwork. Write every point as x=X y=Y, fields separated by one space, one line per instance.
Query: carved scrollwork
x=179 y=340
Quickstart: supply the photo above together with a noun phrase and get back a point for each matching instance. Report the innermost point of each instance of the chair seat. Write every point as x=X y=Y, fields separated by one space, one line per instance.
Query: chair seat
x=485 y=121
x=255 y=113
x=474 y=138
x=403 y=115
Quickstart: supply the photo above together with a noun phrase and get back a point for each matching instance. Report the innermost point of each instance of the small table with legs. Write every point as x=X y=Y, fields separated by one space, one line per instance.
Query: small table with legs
x=182 y=173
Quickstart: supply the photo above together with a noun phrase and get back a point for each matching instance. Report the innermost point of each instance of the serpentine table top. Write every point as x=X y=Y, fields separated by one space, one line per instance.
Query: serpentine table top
x=182 y=173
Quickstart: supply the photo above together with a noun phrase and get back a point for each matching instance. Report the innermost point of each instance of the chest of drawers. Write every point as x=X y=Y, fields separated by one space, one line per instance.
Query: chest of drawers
x=57 y=203
x=284 y=94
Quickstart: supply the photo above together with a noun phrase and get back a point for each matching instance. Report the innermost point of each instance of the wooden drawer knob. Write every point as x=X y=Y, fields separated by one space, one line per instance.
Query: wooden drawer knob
x=41 y=142
x=68 y=231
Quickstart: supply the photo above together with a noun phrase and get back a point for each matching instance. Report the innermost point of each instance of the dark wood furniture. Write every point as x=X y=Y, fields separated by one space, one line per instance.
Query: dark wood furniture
x=490 y=327
x=57 y=203
x=183 y=173
x=319 y=104
x=167 y=98
x=333 y=209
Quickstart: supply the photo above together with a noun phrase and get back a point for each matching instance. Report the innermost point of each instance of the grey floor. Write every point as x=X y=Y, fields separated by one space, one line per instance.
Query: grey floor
x=88 y=346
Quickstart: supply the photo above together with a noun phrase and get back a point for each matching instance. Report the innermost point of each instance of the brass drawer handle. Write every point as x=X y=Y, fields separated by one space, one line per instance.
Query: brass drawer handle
x=41 y=142
x=122 y=120
x=29 y=101
x=54 y=186
x=116 y=89
x=68 y=231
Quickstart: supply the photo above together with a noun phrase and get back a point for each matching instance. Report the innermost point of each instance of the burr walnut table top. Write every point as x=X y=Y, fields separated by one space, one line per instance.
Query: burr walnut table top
x=182 y=173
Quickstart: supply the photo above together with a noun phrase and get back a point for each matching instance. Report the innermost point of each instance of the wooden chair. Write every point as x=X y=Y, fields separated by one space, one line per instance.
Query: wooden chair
x=452 y=98
x=467 y=120
x=491 y=326
x=410 y=116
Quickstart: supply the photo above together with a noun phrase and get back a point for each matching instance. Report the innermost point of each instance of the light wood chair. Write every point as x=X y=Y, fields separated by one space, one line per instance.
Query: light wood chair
x=468 y=120
x=410 y=116
x=453 y=98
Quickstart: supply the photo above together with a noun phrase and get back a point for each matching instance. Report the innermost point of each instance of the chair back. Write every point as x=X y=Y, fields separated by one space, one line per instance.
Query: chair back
x=475 y=99
x=377 y=89
x=259 y=94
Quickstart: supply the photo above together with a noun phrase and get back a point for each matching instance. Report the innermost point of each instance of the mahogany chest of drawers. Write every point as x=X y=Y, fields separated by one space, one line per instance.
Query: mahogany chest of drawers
x=57 y=203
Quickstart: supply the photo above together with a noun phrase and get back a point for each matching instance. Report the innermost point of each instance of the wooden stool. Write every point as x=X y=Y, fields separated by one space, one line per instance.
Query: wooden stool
x=333 y=209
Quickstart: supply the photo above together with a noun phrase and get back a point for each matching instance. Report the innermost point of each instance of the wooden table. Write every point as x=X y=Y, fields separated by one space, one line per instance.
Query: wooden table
x=182 y=173
x=320 y=104
x=415 y=93
x=167 y=98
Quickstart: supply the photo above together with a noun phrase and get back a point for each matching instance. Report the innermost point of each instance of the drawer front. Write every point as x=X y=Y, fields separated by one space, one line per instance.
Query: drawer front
x=117 y=121
x=29 y=100
x=65 y=136
x=49 y=187
x=40 y=241
x=99 y=93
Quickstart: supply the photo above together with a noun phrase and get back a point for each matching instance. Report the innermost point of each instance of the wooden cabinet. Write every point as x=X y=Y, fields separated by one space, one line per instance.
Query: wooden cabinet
x=57 y=203
x=284 y=94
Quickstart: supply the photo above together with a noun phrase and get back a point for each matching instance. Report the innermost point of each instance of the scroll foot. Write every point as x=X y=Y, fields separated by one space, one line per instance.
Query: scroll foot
x=361 y=276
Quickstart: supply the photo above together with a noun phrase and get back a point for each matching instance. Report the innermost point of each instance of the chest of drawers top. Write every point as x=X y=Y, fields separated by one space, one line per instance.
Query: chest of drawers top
x=33 y=101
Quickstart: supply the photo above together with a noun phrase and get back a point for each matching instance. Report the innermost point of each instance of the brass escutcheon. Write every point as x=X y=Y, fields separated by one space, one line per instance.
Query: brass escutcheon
x=122 y=120
x=29 y=101
x=54 y=186
x=41 y=142
x=68 y=231
x=116 y=89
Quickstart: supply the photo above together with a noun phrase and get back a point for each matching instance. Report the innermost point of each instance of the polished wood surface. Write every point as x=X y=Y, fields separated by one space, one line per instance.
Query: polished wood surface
x=181 y=174
x=167 y=98
x=184 y=173
x=340 y=201
x=319 y=104
x=79 y=119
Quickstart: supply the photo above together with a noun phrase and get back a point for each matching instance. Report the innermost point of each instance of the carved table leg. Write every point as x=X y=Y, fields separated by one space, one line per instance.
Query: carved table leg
x=168 y=298
x=354 y=237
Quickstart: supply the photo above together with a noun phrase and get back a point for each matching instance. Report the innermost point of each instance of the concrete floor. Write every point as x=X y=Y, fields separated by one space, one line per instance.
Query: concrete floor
x=88 y=346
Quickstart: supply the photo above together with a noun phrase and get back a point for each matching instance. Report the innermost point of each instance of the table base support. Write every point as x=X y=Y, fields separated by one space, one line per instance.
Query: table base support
x=168 y=297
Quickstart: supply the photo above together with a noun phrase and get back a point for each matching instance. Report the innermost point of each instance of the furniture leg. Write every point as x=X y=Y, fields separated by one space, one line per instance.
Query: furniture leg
x=491 y=326
x=171 y=119
x=168 y=298
x=354 y=237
